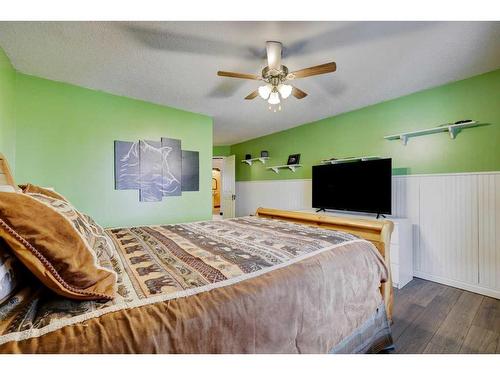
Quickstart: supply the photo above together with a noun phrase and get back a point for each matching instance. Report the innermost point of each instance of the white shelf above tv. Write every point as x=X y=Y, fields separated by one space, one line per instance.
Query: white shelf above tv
x=347 y=160
x=452 y=129
x=250 y=161
x=292 y=167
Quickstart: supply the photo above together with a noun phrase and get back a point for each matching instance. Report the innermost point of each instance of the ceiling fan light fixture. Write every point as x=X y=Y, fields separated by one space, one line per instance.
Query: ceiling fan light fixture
x=265 y=91
x=285 y=90
x=274 y=98
x=274 y=90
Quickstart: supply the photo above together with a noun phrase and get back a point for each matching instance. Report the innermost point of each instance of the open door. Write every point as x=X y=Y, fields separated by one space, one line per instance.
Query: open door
x=228 y=195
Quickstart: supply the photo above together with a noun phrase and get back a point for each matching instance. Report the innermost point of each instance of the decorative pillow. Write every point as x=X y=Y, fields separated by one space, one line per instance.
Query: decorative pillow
x=91 y=232
x=30 y=188
x=9 y=272
x=44 y=239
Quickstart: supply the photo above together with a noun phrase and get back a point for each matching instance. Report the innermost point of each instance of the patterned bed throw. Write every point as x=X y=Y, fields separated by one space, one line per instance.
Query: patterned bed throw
x=172 y=258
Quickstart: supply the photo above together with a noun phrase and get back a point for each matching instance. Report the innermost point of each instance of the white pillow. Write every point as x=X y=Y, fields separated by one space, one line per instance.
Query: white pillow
x=7 y=189
x=9 y=273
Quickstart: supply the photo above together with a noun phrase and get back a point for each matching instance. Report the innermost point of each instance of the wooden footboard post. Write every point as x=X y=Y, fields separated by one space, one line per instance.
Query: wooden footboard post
x=376 y=231
x=386 y=288
x=5 y=173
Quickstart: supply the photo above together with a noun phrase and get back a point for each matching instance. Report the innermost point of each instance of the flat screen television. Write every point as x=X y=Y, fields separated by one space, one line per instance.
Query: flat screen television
x=361 y=186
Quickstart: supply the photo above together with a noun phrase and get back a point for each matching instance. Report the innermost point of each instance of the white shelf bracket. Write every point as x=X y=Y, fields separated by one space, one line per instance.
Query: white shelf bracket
x=262 y=160
x=249 y=162
x=453 y=131
x=404 y=139
x=292 y=168
x=276 y=170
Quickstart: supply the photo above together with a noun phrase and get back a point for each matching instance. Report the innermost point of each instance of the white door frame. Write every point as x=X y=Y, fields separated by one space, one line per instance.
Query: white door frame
x=227 y=190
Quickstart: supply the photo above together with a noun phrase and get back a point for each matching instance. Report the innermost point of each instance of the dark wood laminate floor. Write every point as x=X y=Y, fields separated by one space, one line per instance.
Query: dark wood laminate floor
x=435 y=318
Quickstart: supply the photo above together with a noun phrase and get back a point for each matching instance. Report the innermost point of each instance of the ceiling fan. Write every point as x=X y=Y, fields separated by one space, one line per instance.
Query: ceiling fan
x=275 y=75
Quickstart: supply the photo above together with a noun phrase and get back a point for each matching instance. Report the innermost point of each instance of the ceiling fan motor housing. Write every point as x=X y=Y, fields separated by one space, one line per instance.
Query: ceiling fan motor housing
x=273 y=76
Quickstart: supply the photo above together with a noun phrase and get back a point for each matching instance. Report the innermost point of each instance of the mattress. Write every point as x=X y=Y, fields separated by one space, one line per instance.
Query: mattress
x=244 y=285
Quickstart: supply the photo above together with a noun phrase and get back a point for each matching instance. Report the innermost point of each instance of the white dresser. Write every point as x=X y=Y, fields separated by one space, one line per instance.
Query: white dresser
x=401 y=251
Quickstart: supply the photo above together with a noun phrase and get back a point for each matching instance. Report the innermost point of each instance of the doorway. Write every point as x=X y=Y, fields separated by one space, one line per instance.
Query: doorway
x=216 y=190
x=223 y=187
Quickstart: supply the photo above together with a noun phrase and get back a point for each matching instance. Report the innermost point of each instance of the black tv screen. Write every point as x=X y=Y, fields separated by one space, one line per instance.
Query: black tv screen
x=362 y=186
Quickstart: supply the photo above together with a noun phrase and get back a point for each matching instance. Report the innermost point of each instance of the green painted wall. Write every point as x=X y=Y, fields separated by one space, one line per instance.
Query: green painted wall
x=361 y=132
x=7 y=125
x=221 y=150
x=65 y=140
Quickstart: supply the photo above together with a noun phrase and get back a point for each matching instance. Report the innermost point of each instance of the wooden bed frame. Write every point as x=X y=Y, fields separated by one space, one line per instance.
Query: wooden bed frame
x=5 y=173
x=377 y=232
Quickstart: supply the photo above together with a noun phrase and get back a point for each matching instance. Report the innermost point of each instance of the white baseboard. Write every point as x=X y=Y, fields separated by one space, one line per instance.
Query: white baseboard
x=458 y=284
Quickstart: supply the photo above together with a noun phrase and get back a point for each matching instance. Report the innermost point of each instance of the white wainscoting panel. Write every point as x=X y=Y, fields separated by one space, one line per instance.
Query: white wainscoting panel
x=282 y=194
x=448 y=228
x=455 y=222
x=489 y=230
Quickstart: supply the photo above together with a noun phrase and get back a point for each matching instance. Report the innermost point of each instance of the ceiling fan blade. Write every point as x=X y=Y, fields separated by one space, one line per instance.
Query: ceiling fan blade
x=298 y=93
x=313 y=70
x=238 y=75
x=274 y=50
x=252 y=95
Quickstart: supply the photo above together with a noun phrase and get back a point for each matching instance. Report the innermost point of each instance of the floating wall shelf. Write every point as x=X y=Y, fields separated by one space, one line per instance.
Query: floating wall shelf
x=453 y=129
x=250 y=161
x=347 y=160
x=292 y=167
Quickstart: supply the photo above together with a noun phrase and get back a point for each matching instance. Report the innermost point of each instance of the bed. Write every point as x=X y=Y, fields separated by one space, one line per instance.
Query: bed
x=275 y=282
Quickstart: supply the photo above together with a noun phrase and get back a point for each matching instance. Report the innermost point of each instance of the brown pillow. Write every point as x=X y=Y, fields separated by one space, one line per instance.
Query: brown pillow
x=30 y=188
x=92 y=233
x=48 y=244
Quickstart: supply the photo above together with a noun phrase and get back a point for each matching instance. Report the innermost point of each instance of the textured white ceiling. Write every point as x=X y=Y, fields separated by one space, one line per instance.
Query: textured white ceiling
x=175 y=63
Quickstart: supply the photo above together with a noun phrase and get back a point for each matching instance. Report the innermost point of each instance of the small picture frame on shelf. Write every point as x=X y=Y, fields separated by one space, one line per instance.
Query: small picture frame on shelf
x=264 y=154
x=248 y=156
x=293 y=159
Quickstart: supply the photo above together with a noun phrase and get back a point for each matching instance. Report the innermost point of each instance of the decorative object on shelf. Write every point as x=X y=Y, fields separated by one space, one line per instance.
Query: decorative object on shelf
x=350 y=159
x=250 y=161
x=248 y=156
x=453 y=129
x=155 y=168
x=458 y=122
x=324 y=161
x=292 y=167
x=293 y=159
x=264 y=154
